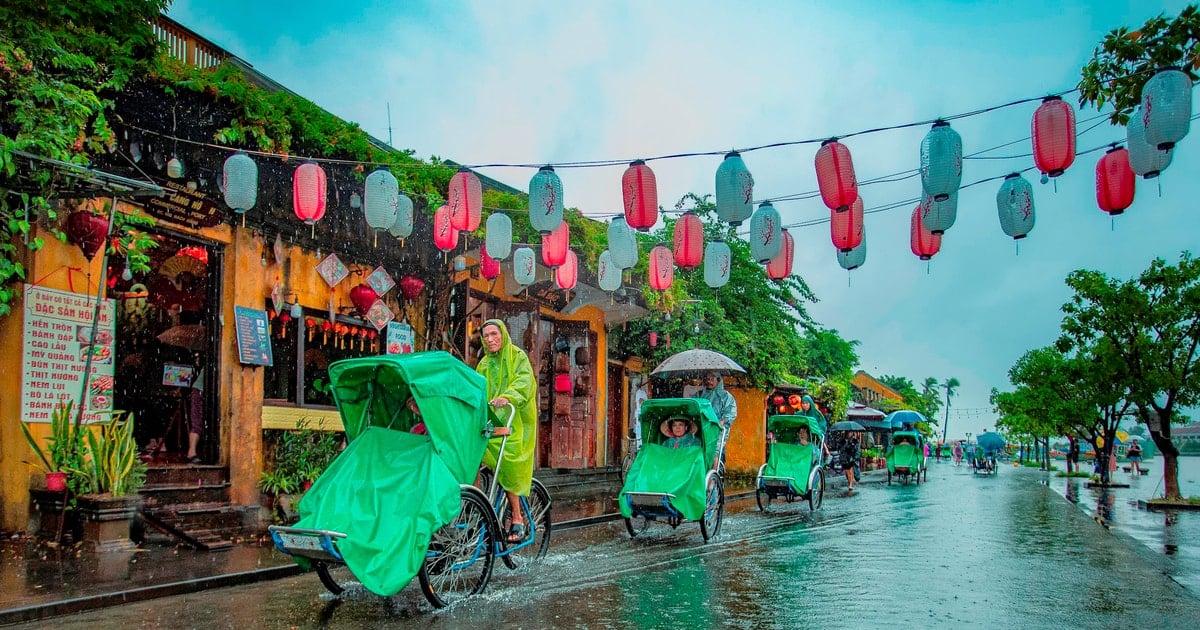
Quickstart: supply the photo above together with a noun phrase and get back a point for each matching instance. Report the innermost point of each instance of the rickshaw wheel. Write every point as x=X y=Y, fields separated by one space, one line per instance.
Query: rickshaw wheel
x=539 y=515
x=336 y=577
x=461 y=554
x=714 y=507
x=763 y=498
x=816 y=494
x=889 y=477
x=636 y=525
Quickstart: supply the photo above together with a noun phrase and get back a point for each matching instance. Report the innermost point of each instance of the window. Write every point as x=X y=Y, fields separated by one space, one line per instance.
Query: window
x=304 y=349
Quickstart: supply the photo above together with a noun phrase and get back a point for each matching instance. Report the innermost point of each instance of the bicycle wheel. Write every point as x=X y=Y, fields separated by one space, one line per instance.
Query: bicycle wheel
x=461 y=554
x=335 y=576
x=762 y=498
x=636 y=525
x=714 y=507
x=816 y=494
x=536 y=508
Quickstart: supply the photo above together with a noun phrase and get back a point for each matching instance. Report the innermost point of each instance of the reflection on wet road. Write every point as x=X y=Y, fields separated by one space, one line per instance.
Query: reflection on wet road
x=1004 y=551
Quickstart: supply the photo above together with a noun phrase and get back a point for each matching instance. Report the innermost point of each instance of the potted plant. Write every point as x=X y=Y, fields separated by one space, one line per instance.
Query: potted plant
x=63 y=454
x=113 y=473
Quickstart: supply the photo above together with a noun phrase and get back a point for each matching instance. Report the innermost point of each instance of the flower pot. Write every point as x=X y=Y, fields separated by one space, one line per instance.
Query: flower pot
x=56 y=481
x=49 y=507
x=305 y=485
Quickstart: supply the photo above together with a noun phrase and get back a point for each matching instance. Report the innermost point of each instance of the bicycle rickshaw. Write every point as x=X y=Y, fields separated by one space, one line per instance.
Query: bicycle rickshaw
x=906 y=457
x=983 y=458
x=793 y=470
x=676 y=484
x=398 y=501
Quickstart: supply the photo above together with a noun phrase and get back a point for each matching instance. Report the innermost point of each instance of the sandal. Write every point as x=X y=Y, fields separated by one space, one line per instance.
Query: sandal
x=518 y=533
x=194 y=460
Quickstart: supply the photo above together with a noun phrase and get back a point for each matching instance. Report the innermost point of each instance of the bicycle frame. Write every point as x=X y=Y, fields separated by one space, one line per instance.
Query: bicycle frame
x=495 y=492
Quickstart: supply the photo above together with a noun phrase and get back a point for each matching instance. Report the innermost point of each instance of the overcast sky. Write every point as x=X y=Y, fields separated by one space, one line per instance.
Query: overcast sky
x=538 y=82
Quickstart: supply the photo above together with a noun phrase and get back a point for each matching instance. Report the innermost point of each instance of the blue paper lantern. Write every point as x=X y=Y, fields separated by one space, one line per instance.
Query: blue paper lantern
x=1167 y=107
x=735 y=190
x=939 y=216
x=1014 y=202
x=854 y=258
x=608 y=274
x=941 y=161
x=622 y=243
x=718 y=259
x=403 y=226
x=240 y=182
x=1145 y=159
x=381 y=200
x=524 y=266
x=497 y=236
x=766 y=233
x=545 y=200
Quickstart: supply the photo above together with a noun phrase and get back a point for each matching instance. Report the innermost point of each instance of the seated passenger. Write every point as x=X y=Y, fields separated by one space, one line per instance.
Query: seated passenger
x=419 y=427
x=681 y=434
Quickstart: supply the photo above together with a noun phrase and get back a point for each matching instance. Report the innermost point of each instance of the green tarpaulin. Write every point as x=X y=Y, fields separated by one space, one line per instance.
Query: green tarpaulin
x=681 y=471
x=904 y=453
x=787 y=457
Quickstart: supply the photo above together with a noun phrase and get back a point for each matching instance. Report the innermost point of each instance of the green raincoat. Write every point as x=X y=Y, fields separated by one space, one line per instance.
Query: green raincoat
x=813 y=412
x=510 y=375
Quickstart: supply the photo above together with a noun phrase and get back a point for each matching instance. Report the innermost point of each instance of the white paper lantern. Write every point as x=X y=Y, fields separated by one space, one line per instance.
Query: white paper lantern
x=854 y=258
x=1014 y=202
x=524 y=265
x=545 y=200
x=622 y=243
x=497 y=235
x=939 y=216
x=381 y=200
x=239 y=181
x=1167 y=107
x=608 y=274
x=1145 y=159
x=175 y=168
x=403 y=226
x=717 y=261
x=766 y=233
x=941 y=161
x=735 y=190
x=465 y=198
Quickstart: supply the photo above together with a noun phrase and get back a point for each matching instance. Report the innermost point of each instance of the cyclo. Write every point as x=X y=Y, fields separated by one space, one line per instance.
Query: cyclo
x=906 y=457
x=676 y=484
x=398 y=502
x=793 y=470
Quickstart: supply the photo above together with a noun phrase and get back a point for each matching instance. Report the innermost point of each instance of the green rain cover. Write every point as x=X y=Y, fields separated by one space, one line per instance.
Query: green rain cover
x=681 y=471
x=904 y=455
x=788 y=459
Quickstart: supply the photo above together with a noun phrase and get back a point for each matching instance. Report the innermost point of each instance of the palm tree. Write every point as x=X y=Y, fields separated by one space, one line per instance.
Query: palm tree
x=951 y=384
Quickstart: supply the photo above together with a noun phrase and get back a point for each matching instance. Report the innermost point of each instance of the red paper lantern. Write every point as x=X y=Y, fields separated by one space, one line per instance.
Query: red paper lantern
x=835 y=176
x=780 y=266
x=640 y=192
x=411 y=286
x=465 y=200
x=689 y=241
x=566 y=275
x=562 y=382
x=363 y=296
x=653 y=339
x=662 y=268
x=327 y=326
x=88 y=231
x=555 y=245
x=488 y=266
x=777 y=399
x=308 y=192
x=310 y=322
x=845 y=228
x=1054 y=136
x=1115 y=182
x=445 y=237
x=925 y=244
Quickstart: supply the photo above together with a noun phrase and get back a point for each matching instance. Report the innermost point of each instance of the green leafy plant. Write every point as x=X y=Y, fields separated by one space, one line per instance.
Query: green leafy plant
x=276 y=483
x=297 y=455
x=113 y=466
x=65 y=448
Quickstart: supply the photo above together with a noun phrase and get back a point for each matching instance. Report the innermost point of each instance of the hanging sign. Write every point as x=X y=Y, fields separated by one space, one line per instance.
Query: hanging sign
x=254 y=340
x=58 y=340
x=399 y=338
x=548 y=294
x=184 y=206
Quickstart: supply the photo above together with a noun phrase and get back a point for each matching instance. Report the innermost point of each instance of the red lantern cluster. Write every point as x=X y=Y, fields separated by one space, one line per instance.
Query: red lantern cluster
x=308 y=192
x=1115 y=182
x=639 y=189
x=1053 y=136
x=924 y=243
x=835 y=176
x=689 y=241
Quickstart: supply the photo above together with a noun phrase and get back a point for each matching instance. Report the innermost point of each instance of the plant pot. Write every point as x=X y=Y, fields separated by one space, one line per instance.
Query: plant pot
x=305 y=485
x=49 y=508
x=107 y=520
x=56 y=481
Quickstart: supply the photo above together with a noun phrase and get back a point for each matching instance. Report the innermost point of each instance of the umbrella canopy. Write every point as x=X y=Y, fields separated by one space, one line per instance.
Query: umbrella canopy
x=847 y=425
x=697 y=361
x=187 y=336
x=989 y=441
x=897 y=419
x=858 y=410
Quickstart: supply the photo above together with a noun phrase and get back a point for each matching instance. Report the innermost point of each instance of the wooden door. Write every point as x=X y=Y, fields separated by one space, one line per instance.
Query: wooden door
x=574 y=416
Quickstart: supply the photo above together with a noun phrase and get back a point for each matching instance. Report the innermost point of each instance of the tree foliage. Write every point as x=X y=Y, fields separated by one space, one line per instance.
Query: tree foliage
x=825 y=353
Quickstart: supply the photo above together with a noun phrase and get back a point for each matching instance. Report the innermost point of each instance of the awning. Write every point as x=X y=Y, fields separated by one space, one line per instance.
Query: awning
x=72 y=181
x=858 y=412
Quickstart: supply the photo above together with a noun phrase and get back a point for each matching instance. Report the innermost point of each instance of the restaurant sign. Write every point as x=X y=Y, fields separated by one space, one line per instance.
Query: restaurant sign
x=58 y=340
x=185 y=206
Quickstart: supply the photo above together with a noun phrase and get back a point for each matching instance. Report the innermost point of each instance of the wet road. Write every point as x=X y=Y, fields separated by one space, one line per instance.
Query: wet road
x=1007 y=551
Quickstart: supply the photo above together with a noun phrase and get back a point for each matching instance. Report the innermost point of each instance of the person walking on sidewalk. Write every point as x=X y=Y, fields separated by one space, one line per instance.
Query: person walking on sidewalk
x=1135 y=458
x=849 y=455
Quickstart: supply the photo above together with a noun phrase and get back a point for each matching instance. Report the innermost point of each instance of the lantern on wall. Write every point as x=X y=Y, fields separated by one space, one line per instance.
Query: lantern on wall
x=175 y=168
x=239 y=182
x=735 y=190
x=941 y=161
x=835 y=176
x=488 y=266
x=766 y=231
x=640 y=192
x=381 y=200
x=689 y=241
x=363 y=296
x=1014 y=202
x=1115 y=182
x=1167 y=107
x=308 y=192
x=524 y=266
x=411 y=287
x=608 y=274
x=924 y=244
x=780 y=266
x=465 y=199
x=854 y=258
x=622 y=243
x=555 y=245
x=498 y=235
x=87 y=231
x=845 y=228
x=1145 y=159
x=545 y=200
x=717 y=262
x=1053 y=133
x=939 y=216
x=402 y=227
x=662 y=268
x=567 y=273
x=445 y=237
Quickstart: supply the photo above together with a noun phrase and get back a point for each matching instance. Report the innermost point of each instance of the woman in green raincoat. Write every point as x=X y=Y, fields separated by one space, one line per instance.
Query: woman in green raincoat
x=511 y=380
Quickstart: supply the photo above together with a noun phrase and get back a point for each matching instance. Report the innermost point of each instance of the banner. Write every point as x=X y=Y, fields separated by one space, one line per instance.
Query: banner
x=58 y=326
x=400 y=338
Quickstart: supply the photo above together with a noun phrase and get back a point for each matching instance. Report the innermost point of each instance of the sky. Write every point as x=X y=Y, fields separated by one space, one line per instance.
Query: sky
x=542 y=82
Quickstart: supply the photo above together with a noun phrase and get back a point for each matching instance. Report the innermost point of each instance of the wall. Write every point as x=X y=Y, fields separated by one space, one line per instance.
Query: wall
x=746 y=448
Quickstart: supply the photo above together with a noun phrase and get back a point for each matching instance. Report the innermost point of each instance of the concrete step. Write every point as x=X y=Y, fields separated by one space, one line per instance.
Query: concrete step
x=185 y=474
x=165 y=496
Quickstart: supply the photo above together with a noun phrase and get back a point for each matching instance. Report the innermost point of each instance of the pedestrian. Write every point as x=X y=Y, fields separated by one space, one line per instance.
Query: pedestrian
x=1072 y=454
x=723 y=405
x=1135 y=458
x=511 y=381
x=958 y=453
x=849 y=455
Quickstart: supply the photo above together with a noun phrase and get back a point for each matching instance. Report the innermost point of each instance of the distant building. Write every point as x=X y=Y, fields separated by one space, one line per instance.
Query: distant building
x=1187 y=438
x=869 y=391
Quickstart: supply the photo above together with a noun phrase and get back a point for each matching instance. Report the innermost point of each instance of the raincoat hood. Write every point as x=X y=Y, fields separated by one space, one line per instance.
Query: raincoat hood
x=508 y=356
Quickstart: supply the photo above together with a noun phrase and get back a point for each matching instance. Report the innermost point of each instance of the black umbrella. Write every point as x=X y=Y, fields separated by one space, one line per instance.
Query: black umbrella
x=847 y=425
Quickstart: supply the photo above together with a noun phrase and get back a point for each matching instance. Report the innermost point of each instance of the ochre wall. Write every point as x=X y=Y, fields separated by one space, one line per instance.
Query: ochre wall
x=746 y=448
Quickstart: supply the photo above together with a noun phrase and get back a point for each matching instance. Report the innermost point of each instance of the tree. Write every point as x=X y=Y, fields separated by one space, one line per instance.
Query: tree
x=1146 y=334
x=951 y=385
x=825 y=353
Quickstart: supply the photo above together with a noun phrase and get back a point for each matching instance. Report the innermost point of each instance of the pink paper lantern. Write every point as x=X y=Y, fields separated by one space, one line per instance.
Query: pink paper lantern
x=835 y=176
x=465 y=200
x=566 y=274
x=488 y=266
x=689 y=241
x=639 y=189
x=1053 y=136
x=445 y=237
x=845 y=228
x=924 y=243
x=555 y=245
x=780 y=266
x=662 y=268
x=1115 y=182
x=308 y=192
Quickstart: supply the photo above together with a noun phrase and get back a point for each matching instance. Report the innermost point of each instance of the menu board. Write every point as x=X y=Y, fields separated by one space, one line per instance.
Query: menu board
x=58 y=340
x=253 y=336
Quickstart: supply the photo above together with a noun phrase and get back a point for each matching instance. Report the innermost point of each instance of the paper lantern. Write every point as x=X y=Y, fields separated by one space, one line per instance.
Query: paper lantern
x=717 y=262
x=465 y=199
x=545 y=200
x=239 y=182
x=640 y=192
x=308 y=192
x=562 y=382
x=766 y=231
x=1115 y=182
x=488 y=266
x=622 y=243
x=939 y=216
x=845 y=228
x=1053 y=133
x=608 y=274
x=662 y=268
x=924 y=244
x=363 y=296
x=835 y=176
x=567 y=273
x=498 y=235
x=175 y=168
x=1014 y=203
x=780 y=266
x=87 y=231
x=1145 y=159
x=445 y=237
x=524 y=266
x=941 y=161
x=854 y=258
x=555 y=245
x=1167 y=107
x=411 y=287
x=403 y=226
x=735 y=190
x=689 y=241
x=381 y=200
